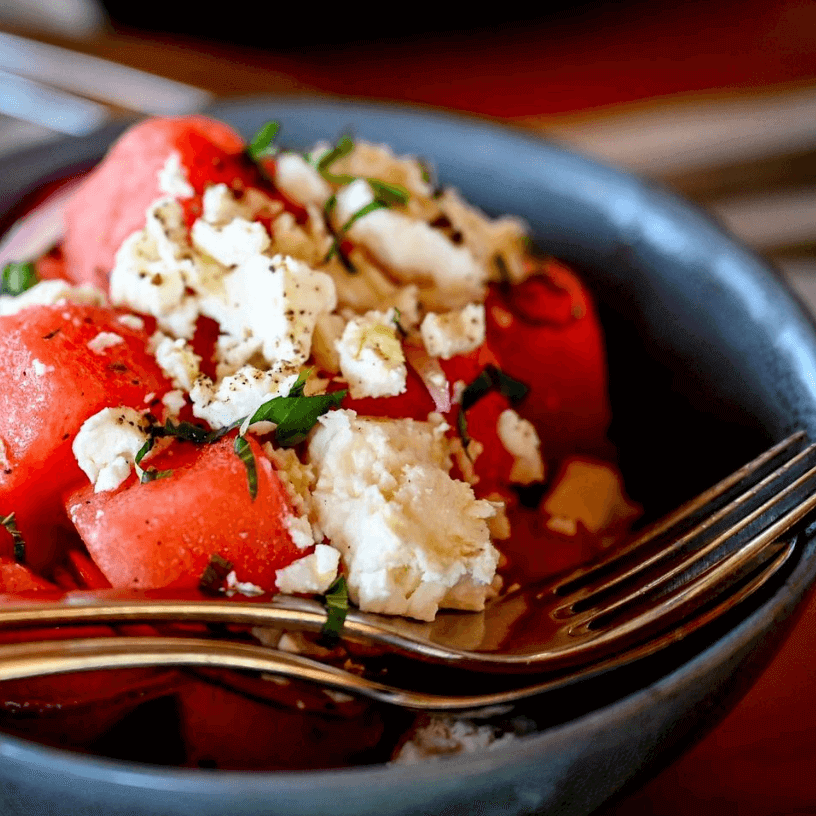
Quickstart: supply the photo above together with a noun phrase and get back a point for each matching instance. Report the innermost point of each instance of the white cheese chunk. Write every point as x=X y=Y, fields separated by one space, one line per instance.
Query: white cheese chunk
x=106 y=445
x=451 y=333
x=411 y=249
x=103 y=341
x=312 y=573
x=276 y=301
x=371 y=356
x=153 y=269
x=299 y=181
x=413 y=539
x=239 y=395
x=231 y=244
x=520 y=439
x=173 y=179
x=177 y=359
x=51 y=293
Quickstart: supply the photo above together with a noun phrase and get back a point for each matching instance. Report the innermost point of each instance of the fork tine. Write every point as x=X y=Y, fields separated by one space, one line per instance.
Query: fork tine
x=645 y=607
x=677 y=532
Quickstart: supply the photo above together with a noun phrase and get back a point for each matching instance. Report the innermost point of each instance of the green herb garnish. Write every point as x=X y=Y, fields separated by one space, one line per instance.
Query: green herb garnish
x=338 y=237
x=244 y=453
x=296 y=415
x=344 y=146
x=391 y=195
x=17 y=278
x=491 y=379
x=214 y=574
x=262 y=143
x=10 y=523
x=337 y=604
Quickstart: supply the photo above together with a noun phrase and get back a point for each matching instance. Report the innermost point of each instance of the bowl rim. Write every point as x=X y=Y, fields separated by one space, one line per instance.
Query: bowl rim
x=46 y=163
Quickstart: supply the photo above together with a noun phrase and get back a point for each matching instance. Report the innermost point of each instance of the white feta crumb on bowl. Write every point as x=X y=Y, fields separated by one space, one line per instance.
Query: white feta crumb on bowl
x=371 y=357
x=520 y=439
x=106 y=445
x=413 y=539
x=450 y=333
x=103 y=341
x=314 y=573
x=447 y=736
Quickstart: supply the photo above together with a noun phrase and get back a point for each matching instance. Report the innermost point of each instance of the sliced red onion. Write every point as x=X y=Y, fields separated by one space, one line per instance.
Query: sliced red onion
x=431 y=373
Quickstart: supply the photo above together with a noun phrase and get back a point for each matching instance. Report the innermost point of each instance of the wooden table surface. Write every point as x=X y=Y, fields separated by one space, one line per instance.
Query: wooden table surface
x=570 y=77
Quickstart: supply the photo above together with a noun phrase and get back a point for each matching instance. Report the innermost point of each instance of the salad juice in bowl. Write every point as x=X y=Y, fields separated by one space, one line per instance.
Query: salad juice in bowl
x=299 y=363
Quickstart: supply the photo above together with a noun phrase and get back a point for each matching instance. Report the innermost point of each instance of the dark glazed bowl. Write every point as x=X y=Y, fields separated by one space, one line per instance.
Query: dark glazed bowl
x=710 y=359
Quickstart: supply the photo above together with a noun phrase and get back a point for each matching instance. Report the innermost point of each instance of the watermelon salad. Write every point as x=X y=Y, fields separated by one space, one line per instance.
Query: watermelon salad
x=248 y=370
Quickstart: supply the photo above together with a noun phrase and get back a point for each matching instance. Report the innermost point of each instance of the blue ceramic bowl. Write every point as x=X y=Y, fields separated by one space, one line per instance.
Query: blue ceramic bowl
x=710 y=357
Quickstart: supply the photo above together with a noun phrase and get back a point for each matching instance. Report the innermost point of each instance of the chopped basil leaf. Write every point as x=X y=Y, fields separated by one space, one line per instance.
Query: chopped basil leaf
x=17 y=277
x=397 y=324
x=462 y=428
x=10 y=523
x=491 y=379
x=389 y=194
x=151 y=475
x=300 y=383
x=214 y=574
x=296 y=415
x=337 y=605
x=244 y=451
x=370 y=207
x=263 y=142
x=344 y=146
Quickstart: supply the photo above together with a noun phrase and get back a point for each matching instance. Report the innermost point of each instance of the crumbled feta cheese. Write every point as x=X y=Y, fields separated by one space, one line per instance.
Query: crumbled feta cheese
x=40 y=367
x=298 y=479
x=173 y=402
x=173 y=179
x=220 y=206
x=51 y=293
x=300 y=181
x=153 y=268
x=232 y=244
x=239 y=395
x=591 y=492
x=312 y=573
x=412 y=250
x=520 y=439
x=451 y=333
x=413 y=539
x=276 y=301
x=446 y=736
x=131 y=321
x=178 y=361
x=236 y=587
x=104 y=341
x=371 y=356
x=488 y=239
x=107 y=443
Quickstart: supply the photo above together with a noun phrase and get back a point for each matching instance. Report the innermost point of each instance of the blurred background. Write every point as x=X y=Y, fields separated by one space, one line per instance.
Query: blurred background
x=716 y=98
